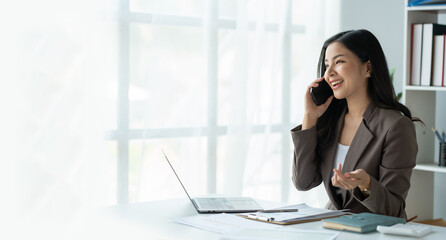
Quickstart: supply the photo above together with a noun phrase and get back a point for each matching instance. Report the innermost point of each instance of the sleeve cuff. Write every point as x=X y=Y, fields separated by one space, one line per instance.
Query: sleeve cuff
x=368 y=200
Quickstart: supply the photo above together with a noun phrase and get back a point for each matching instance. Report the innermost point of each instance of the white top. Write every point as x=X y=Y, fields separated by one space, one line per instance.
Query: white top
x=340 y=155
x=341 y=152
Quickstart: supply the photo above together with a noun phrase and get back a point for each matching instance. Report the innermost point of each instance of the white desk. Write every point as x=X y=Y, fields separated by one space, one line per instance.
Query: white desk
x=154 y=220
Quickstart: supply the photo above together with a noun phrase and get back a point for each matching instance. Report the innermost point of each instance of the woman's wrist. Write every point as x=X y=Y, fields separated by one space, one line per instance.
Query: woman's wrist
x=366 y=185
x=308 y=122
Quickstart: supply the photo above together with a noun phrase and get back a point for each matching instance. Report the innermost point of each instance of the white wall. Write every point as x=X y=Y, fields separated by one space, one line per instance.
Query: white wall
x=385 y=19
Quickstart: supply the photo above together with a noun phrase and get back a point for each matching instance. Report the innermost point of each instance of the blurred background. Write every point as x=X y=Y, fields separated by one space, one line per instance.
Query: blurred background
x=93 y=90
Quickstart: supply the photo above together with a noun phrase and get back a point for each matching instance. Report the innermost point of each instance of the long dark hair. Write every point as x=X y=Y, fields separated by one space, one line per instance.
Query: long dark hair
x=380 y=89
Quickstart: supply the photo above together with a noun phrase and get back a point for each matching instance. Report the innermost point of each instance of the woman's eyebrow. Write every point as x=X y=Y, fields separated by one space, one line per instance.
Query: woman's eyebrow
x=339 y=55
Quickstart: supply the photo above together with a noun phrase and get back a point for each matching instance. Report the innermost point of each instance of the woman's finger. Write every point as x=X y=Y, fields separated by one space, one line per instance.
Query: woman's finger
x=318 y=80
x=339 y=174
x=344 y=177
x=347 y=183
x=344 y=184
x=328 y=102
x=354 y=174
x=338 y=181
x=315 y=83
x=334 y=181
x=342 y=180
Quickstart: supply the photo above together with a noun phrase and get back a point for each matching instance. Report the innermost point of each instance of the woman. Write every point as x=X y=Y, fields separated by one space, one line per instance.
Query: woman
x=360 y=143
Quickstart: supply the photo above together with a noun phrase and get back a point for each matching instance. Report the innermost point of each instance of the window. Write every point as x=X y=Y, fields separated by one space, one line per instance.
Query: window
x=208 y=82
x=216 y=84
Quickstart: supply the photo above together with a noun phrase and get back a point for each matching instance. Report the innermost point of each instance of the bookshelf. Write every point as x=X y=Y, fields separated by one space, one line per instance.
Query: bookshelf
x=427 y=193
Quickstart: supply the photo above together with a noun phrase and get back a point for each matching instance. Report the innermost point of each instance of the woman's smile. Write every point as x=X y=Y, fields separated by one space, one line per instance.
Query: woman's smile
x=335 y=84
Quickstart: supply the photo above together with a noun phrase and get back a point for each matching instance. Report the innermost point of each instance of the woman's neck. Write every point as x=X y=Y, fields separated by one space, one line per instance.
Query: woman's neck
x=357 y=107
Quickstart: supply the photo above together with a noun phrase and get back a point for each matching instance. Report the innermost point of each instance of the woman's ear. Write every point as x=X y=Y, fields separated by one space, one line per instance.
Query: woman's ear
x=368 y=68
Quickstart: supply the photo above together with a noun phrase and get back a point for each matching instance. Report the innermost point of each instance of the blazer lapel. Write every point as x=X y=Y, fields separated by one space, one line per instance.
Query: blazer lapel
x=327 y=166
x=360 y=142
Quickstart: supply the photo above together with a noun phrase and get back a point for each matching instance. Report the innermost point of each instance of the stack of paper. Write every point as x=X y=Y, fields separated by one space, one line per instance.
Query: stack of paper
x=305 y=213
x=222 y=223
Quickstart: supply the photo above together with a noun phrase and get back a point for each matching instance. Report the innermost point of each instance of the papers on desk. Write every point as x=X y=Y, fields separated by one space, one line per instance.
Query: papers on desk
x=282 y=234
x=233 y=227
x=222 y=223
x=305 y=214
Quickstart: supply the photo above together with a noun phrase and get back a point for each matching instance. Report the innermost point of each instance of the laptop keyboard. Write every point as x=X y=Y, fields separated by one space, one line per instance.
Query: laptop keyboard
x=215 y=203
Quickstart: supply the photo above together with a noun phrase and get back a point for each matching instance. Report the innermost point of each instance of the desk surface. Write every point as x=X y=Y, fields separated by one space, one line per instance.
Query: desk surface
x=154 y=220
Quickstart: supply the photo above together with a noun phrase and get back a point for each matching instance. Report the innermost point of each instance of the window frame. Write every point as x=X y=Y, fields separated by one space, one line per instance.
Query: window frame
x=211 y=24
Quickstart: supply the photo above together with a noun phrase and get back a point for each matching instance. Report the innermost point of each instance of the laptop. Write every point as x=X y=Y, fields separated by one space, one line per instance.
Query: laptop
x=220 y=204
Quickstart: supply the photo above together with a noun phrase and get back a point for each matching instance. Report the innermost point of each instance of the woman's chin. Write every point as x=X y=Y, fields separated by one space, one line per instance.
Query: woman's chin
x=338 y=95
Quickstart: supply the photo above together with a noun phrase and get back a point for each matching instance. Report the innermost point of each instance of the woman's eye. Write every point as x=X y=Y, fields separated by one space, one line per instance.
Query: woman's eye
x=339 y=61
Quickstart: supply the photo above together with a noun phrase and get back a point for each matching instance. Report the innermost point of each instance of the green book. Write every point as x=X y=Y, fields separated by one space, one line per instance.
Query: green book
x=362 y=222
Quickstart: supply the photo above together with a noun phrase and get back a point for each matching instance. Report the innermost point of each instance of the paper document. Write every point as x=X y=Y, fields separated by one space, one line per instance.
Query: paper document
x=282 y=234
x=222 y=223
x=304 y=212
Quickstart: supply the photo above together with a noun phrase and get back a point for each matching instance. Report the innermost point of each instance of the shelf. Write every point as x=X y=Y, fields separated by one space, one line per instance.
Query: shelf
x=424 y=88
x=430 y=167
x=431 y=8
x=425 y=197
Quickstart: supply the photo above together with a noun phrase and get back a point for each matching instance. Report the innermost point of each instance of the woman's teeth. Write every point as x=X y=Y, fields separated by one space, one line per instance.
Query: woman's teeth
x=336 y=83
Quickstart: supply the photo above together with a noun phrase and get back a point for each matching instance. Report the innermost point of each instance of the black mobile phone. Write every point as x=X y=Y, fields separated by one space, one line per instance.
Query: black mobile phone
x=321 y=93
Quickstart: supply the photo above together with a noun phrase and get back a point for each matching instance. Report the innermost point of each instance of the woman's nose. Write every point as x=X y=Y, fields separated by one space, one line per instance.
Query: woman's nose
x=329 y=72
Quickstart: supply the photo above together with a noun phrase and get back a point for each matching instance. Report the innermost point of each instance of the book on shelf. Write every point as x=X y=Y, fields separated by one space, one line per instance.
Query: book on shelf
x=429 y=31
x=423 y=53
x=415 y=55
x=361 y=222
x=438 y=60
x=438 y=83
x=413 y=3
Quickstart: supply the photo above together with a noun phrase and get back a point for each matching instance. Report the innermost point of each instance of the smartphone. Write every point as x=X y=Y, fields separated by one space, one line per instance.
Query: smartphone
x=321 y=93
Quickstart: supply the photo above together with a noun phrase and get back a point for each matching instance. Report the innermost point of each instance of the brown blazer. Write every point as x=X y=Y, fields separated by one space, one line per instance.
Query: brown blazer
x=384 y=145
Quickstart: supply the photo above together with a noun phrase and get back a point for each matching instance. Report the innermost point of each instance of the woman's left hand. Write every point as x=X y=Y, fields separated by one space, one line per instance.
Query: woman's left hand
x=358 y=178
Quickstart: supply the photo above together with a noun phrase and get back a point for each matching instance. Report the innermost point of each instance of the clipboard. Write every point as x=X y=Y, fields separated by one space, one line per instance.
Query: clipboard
x=303 y=214
x=291 y=222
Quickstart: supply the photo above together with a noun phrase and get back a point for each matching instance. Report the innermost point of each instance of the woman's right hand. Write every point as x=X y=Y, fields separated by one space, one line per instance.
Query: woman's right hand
x=313 y=112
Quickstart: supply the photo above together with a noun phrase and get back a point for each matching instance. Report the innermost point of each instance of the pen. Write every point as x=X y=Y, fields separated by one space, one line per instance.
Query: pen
x=255 y=217
x=279 y=210
x=411 y=219
x=437 y=134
